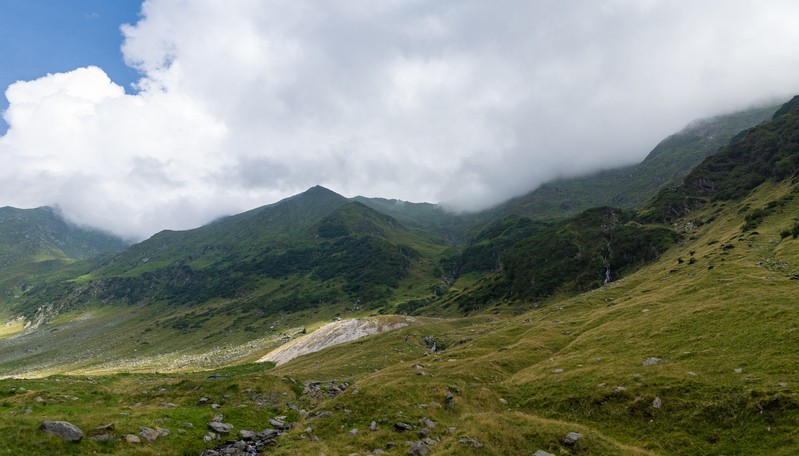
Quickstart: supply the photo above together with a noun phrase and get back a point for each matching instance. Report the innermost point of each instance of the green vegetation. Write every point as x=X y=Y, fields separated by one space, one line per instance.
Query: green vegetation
x=671 y=329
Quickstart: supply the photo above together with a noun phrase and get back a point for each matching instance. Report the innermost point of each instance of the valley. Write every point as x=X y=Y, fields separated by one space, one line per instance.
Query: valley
x=668 y=325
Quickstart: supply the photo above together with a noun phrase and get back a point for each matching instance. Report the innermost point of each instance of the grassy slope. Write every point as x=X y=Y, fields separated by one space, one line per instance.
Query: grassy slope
x=558 y=368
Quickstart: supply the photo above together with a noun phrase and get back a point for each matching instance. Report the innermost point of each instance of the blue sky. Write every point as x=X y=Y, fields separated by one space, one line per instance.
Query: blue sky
x=38 y=37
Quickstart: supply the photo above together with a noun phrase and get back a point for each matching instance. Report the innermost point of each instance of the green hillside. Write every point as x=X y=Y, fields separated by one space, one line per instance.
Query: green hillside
x=671 y=329
x=632 y=186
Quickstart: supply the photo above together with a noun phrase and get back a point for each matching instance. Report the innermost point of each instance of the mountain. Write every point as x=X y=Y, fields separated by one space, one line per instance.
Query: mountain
x=28 y=235
x=632 y=186
x=668 y=329
x=312 y=249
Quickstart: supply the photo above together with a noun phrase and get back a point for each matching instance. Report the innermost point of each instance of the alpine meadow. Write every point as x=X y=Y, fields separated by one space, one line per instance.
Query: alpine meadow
x=610 y=308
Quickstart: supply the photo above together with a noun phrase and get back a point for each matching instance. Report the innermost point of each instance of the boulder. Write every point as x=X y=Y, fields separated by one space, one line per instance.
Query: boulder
x=401 y=427
x=149 y=434
x=418 y=449
x=220 y=428
x=63 y=429
x=572 y=438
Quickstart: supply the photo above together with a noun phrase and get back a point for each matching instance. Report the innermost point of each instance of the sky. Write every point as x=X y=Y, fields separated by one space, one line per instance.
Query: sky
x=136 y=117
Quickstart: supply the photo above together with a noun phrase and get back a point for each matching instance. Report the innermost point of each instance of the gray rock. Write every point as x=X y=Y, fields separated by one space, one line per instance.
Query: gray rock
x=378 y=451
x=572 y=438
x=149 y=434
x=105 y=427
x=426 y=422
x=279 y=422
x=651 y=361
x=657 y=403
x=542 y=453
x=419 y=449
x=401 y=427
x=203 y=400
x=130 y=438
x=373 y=426
x=470 y=441
x=424 y=432
x=220 y=428
x=63 y=429
x=247 y=435
x=449 y=400
x=218 y=417
x=353 y=432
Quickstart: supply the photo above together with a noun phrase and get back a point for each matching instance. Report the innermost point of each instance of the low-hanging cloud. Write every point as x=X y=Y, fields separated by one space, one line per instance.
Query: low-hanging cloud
x=469 y=102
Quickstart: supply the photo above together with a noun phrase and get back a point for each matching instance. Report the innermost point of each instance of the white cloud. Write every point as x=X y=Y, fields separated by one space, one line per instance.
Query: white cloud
x=241 y=103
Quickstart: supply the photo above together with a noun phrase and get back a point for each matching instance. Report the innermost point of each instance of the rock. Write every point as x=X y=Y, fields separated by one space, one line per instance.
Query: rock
x=220 y=428
x=353 y=432
x=130 y=438
x=203 y=400
x=424 y=432
x=449 y=399
x=572 y=438
x=542 y=453
x=651 y=361
x=691 y=374
x=738 y=370
x=216 y=406
x=657 y=403
x=39 y=399
x=419 y=449
x=470 y=441
x=187 y=425
x=401 y=427
x=247 y=435
x=279 y=422
x=503 y=401
x=427 y=423
x=373 y=426
x=167 y=405
x=63 y=429
x=149 y=434
x=105 y=427
x=378 y=451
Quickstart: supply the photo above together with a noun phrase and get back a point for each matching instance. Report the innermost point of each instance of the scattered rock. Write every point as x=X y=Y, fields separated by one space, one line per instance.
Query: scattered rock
x=572 y=438
x=279 y=422
x=738 y=370
x=424 y=432
x=218 y=417
x=428 y=423
x=215 y=406
x=651 y=361
x=373 y=426
x=246 y=435
x=691 y=374
x=558 y=371
x=401 y=427
x=149 y=434
x=419 y=449
x=203 y=400
x=353 y=432
x=130 y=438
x=470 y=441
x=167 y=405
x=220 y=428
x=449 y=400
x=105 y=427
x=542 y=453
x=657 y=403
x=63 y=429
x=503 y=401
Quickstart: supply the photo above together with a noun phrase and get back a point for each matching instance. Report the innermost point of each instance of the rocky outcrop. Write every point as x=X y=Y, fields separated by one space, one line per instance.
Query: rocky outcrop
x=335 y=333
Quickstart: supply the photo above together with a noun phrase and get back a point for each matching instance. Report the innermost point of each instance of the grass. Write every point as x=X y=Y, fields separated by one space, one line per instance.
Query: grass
x=725 y=328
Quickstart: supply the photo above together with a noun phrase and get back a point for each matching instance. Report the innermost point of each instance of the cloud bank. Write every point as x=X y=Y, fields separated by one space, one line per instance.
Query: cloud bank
x=469 y=102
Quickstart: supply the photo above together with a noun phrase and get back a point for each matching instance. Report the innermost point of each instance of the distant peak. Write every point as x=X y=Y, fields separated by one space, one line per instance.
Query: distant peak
x=318 y=190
